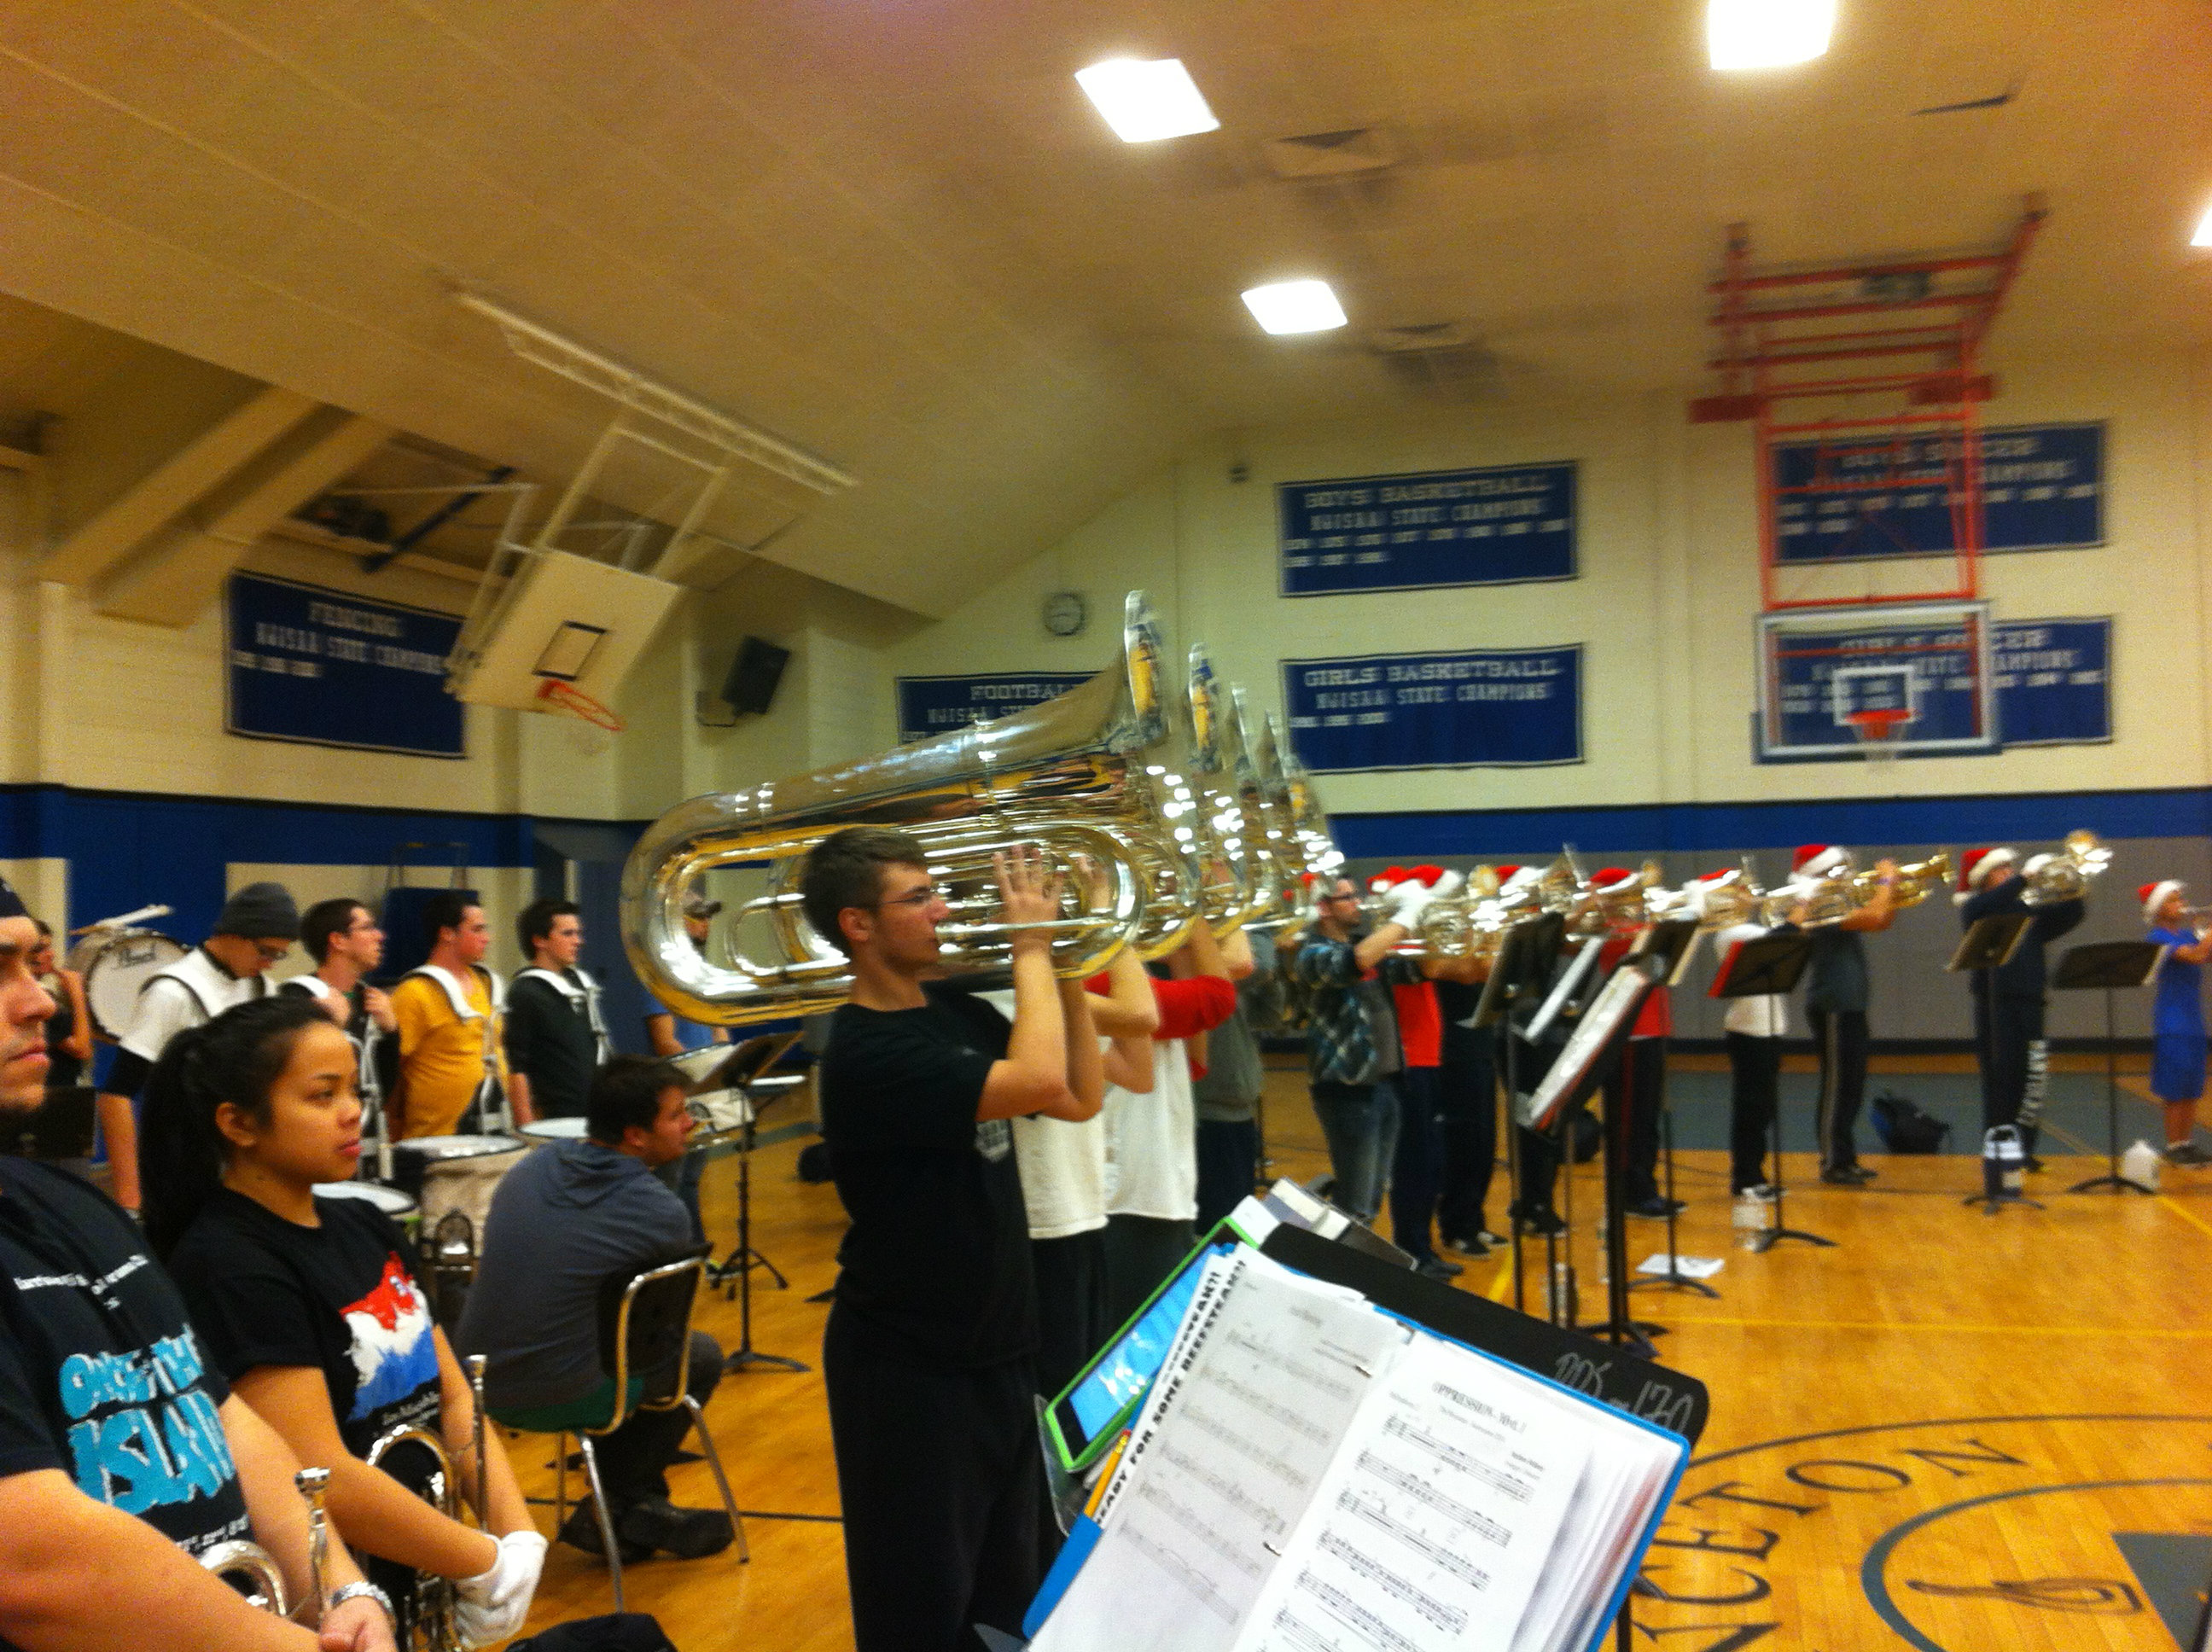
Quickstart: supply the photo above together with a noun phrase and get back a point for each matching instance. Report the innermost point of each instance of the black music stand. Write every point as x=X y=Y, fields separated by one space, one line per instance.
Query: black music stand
x=1665 y=946
x=2108 y=966
x=745 y=1067
x=1985 y=948
x=1768 y=966
x=1524 y=963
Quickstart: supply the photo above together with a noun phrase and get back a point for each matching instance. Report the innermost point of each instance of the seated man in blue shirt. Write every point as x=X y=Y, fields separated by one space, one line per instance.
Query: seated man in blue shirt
x=564 y=1221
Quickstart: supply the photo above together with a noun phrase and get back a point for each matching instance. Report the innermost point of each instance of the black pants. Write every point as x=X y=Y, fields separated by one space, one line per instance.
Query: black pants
x=1467 y=1087
x=1641 y=1072
x=633 y=1459
x=2009 y=1039
x=1417 y=1166
x=1070 y=1295
x=1141 y=1251
x=1841 y=1037
x=1754 y=1086
x=938 y=1476
x=1227 y=1166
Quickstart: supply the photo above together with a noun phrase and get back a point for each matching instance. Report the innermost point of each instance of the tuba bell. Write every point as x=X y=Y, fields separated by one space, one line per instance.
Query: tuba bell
x=1070 y=775
x=2067 y=875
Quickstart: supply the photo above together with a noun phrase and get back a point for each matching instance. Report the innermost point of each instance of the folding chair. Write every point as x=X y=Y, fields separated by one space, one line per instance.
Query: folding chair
x=645 y=1327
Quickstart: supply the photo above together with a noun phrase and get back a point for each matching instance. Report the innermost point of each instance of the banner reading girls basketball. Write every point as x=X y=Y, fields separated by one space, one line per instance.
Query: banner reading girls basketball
x=1500 y=525
x=937 y=704
x=1503 y=709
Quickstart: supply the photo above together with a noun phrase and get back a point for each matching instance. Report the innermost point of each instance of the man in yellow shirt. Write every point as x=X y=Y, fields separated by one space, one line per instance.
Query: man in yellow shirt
x=451 y=1069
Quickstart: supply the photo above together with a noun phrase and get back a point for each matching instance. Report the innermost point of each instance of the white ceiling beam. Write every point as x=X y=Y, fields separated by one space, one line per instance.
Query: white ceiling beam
x=174 y=578
x=203 y=463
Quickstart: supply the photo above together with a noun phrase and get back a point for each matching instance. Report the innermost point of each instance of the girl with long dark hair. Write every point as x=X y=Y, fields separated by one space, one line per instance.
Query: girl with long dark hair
x=311 y=1306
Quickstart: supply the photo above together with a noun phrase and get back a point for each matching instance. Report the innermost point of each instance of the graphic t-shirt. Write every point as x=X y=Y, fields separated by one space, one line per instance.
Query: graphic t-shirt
x=100 y=1374
x=342 y=1299
x=938 y=1251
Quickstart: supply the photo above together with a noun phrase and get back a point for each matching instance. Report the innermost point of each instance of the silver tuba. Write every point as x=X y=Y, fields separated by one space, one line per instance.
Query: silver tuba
x=1070 y=775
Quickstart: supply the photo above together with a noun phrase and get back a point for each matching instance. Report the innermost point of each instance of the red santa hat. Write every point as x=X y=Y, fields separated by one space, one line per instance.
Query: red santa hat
x=1977 y=866
x=1426 y=876
x=1819 y=860
x=1606 y=876
x=1507 y=871
x=2155 y=896
x=1388 y=879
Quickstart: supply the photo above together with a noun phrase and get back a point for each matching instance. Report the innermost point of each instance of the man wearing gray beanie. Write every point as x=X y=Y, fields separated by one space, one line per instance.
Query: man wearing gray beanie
x=256 y=927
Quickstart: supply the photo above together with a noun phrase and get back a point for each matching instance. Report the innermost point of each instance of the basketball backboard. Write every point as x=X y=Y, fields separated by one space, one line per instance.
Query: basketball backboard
x=1918 y=677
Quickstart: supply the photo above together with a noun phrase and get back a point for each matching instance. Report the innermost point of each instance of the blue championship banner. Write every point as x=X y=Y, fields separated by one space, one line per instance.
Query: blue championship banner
x=937 y=704
x=2054 y=681
x=1501 y=525
x=2042 y=489
x=1502 y=708
x=324 y=668
x=2051 y=683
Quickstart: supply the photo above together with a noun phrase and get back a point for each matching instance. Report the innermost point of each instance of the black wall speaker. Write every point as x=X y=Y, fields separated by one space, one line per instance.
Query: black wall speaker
x=751 y=685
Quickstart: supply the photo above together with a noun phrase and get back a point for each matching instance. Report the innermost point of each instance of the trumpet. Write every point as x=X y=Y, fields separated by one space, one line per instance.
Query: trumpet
x=2066 y=876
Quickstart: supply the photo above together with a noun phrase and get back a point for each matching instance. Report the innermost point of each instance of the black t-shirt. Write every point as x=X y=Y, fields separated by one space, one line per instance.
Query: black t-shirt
x=2024 y=973
x=100 y=1374
x=938 y=1251
x=550 y=1042
x=341 y=1297
x=1455 y=1001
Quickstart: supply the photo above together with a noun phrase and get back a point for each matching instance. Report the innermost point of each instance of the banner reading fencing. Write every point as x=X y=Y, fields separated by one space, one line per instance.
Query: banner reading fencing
x=937 y=704
x=2042 y=489
x=1501 y=526
x=1508 y=709
x=322 y=667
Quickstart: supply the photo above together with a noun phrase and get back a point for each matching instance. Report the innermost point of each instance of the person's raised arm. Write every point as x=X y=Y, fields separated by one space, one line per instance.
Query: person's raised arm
x=267 y=1470
x=1127 y=1010
x=1237 y=953
x=1879 y=913
x=1032 y=1078
x=1087 y=1080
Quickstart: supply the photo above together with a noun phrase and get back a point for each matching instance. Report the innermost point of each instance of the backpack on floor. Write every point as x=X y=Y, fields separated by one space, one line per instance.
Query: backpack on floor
x=1904 y=1126
x=625 y=1631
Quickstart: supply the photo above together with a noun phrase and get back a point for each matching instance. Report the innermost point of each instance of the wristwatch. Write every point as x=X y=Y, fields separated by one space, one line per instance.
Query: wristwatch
x=355 y=1592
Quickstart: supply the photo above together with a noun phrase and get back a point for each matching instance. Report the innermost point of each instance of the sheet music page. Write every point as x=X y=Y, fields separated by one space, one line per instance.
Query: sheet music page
x=1628 y=1472
x=1432 y=1529
x=1241 y=1444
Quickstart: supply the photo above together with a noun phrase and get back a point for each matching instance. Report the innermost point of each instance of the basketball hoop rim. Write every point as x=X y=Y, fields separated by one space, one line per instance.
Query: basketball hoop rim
x=567 y=697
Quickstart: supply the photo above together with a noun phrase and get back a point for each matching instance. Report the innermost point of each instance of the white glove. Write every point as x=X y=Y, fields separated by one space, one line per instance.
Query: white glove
x=493 y=1604
x=1402 y=905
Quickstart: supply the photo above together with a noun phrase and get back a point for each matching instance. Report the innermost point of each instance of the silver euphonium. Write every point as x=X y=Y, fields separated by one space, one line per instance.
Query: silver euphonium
x=1069 y=776
x=2067 y=875
x=424 y=1615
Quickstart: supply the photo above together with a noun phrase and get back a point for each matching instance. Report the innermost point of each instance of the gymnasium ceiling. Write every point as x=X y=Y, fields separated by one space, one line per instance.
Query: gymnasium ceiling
x=896 y=235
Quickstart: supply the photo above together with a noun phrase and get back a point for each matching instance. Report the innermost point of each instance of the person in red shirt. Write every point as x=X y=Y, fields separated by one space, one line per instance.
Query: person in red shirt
x=1417 y=1161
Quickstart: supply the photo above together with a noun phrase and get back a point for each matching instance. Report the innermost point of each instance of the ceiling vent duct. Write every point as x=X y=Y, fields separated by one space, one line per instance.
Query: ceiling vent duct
x=1343 y=154
x=1441 y=359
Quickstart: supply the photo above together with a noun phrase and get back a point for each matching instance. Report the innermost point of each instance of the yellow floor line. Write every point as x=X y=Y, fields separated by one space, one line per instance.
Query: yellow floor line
x=2182 y=1212
x=1688 y=1321
x=1501 y=1284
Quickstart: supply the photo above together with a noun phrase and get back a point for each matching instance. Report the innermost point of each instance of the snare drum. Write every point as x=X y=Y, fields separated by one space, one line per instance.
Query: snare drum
x=115 y=963
x=449 y=1173
x=393 y=1202
x=549 y=1130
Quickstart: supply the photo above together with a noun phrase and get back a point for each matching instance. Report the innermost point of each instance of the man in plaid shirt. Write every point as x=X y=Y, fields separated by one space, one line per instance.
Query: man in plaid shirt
x=1352 y=1039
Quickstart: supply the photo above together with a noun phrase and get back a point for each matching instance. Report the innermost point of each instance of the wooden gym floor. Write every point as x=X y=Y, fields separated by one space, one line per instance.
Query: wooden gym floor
x=1950 y=1430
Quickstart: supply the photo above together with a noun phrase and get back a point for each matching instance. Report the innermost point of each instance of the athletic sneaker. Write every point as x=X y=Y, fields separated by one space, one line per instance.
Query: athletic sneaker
x=1760 y=1192
x=1847 y=1175
x=1541 y=1222
x=1435 y=1267
x=1657 y=1208
x=2187 y=1152
x=1478 y=1246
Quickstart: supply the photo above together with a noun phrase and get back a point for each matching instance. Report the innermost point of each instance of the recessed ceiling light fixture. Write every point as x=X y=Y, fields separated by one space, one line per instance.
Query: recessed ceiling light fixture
x=1767 y=33
x=2204 y=235
x=1146 y=101
x=1295 y=306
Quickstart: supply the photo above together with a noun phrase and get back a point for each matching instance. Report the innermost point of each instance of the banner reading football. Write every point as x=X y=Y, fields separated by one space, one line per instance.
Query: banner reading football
x=937 y=704
x=1506 y=708
x=1501 y=526
x=2042 y=489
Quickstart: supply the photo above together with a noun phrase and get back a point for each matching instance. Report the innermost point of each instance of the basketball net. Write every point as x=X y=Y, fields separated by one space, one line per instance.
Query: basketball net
x=1881 y=734
x=567 y=697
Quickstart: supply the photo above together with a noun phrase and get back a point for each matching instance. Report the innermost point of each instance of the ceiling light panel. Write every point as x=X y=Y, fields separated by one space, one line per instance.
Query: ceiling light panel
x=1144 y=102
x=1287 y=306
x=2204 y=235
x=1767 y=33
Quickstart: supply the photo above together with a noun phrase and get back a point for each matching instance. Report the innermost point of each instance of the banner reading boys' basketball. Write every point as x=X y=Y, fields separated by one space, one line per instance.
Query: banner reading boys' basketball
x=1503 y=709
x=1502 y=525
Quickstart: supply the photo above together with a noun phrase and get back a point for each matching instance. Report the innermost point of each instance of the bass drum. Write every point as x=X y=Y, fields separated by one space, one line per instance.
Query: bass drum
x=115 y=964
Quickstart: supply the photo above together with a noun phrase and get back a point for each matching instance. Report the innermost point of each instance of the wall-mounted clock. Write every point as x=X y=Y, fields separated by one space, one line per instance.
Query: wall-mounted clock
x=1065 y=613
